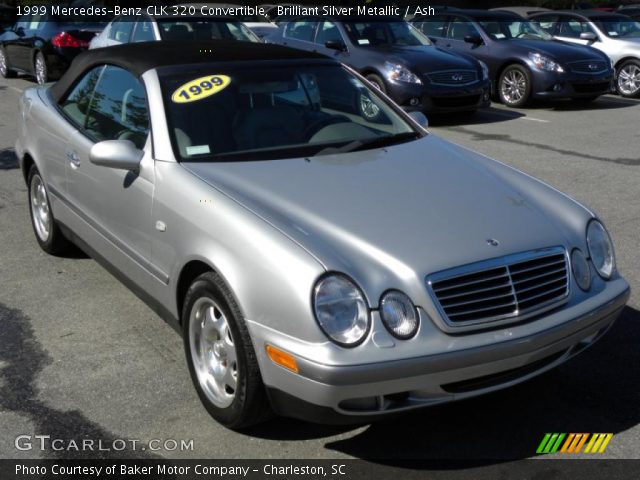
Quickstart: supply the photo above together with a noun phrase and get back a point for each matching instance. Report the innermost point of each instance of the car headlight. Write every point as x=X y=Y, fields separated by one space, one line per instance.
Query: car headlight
x=581 y=270
x=398 y=73
x=545 y=63
x=601 y=249
x=399 y=315
x=341 y=310
x=485 y=70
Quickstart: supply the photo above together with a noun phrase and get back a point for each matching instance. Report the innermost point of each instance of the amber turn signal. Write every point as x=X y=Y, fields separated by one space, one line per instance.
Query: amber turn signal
x=283 y=359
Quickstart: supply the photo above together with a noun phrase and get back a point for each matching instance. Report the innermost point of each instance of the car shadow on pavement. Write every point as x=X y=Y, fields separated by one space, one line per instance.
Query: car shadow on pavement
x=606 y=102
x=483 y=116
x=598 y=392
x=22 y=360
x=8 y=159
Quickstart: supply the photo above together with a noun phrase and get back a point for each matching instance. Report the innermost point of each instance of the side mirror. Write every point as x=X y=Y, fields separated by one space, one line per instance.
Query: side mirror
x=336 y=45
x=20 y=31
x=119 y=154
x=590 y=36
x=473 y=39
x=420 y=118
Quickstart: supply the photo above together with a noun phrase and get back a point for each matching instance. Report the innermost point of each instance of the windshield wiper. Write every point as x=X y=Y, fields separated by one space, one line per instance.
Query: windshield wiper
x=376 y=142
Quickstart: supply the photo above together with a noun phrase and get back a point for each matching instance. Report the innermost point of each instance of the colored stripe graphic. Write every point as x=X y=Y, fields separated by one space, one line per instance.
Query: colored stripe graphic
x=574 y=443
x=550 y=443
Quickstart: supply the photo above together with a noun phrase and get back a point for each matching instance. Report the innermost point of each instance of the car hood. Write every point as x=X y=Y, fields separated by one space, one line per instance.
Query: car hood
x=401 y=212
x=561 y=51
x=425 y=58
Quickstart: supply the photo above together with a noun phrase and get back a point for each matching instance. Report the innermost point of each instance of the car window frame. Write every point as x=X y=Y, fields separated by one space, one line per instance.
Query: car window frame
x=145 y=19
x=478 y=31
x=301 y=20
x=569 y=17
x=319 y=29
x=556 y=23
x=82 y=128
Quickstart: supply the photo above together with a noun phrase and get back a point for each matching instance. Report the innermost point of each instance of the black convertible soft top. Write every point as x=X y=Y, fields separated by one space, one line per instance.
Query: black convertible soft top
x=141 y=57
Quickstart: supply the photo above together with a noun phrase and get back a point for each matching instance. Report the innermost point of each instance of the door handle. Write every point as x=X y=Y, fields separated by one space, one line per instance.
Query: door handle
x=73 y=159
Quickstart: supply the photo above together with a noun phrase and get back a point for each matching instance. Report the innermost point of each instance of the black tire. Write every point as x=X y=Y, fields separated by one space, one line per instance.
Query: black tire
x=519 y=79
x=250 y=404
x=55 y=243
x=5 y=71
x=629 y=67
x=39 y=62
x=377 y=82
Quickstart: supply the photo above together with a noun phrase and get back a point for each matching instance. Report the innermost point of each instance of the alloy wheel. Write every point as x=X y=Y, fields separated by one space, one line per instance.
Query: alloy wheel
x=213 y=352
x=629 y=79
x=41 y=70
x=514 y=86
x=368 y=107
x=40 y=208
x=3 y=64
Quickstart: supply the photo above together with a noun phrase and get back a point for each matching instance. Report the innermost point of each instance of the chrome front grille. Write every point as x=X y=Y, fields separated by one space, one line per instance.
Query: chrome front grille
x=502 y=290
x=589 y=66
x=453 y=77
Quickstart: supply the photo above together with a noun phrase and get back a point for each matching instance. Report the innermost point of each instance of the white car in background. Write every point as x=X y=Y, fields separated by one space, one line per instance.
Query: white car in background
x=614 y=34
x=148 y=28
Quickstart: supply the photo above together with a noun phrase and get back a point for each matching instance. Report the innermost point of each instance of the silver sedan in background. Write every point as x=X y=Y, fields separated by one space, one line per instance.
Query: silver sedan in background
x=319 y=264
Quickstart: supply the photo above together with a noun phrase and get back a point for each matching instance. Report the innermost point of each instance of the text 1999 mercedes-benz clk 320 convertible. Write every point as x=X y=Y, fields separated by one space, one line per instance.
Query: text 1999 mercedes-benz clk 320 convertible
x=319 y=264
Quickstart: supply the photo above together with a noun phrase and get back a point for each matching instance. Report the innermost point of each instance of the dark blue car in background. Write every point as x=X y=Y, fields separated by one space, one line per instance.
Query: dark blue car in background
x=524 y=61
x=397 y=59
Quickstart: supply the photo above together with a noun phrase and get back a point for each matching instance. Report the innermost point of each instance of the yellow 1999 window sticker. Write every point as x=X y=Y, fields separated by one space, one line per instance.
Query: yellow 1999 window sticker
x=200 y=88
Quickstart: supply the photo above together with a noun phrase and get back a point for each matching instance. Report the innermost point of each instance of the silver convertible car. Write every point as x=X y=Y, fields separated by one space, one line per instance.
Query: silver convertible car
x=319 y=265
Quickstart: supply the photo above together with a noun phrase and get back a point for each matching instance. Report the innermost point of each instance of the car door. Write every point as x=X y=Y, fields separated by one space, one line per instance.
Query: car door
x=571 y=27
x=17 y=46
x=116 y=203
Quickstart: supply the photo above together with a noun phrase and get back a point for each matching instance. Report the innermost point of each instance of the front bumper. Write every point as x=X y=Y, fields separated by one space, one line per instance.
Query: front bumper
x=360 y=393
x=570 y=85
x=431 y=98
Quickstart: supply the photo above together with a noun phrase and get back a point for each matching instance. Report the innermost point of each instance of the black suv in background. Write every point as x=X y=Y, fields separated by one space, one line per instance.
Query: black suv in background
x=44 y=45
x=397 y=59
x=524 y=61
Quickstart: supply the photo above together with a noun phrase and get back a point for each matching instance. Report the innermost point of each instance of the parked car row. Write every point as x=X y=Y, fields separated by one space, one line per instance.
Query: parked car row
x=455 y=61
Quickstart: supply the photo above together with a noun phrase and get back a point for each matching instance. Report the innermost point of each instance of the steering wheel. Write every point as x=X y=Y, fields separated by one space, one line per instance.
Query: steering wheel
x=318 y=125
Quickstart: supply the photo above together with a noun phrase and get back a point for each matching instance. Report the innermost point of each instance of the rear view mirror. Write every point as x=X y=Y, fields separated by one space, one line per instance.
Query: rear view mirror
x=473 y=39
x=420 y=118
x=119 y=154
x=592 y=37
x=336 y=45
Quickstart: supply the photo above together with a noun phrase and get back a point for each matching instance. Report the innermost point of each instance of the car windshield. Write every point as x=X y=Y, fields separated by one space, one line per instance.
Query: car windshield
x=380 y=33
x=276 y=111
x=618 y=27
x=203 y=29
x=504 y=30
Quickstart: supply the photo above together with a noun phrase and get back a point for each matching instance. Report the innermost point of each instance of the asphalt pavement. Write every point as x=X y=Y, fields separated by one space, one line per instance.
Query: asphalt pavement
x=82 y=357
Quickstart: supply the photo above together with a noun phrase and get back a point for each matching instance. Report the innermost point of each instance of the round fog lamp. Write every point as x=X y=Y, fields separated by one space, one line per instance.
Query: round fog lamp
x=581 y=271
x=399 y=315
